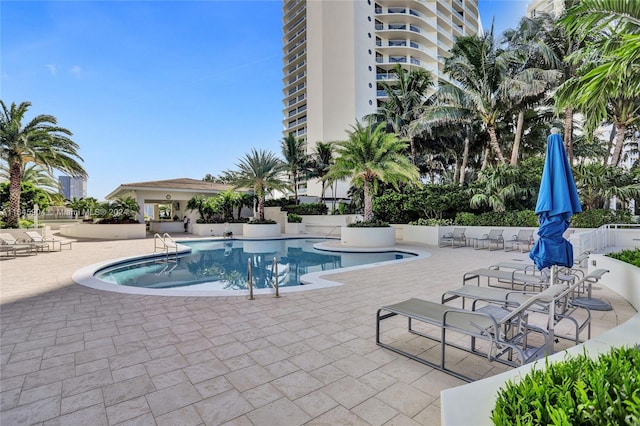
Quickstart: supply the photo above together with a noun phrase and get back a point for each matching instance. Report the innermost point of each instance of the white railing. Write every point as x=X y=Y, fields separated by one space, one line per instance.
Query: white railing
x=165 y=243
x=607 y=237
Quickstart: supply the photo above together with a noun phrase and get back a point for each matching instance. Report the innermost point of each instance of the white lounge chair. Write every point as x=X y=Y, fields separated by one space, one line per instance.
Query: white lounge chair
x=37 y=238
x=506 y=332
x=10 y=239
x=524 y=239
x=493 y=240
x=454 y=239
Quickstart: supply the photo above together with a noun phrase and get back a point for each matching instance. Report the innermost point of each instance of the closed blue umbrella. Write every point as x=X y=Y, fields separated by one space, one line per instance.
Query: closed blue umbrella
x=557 y=202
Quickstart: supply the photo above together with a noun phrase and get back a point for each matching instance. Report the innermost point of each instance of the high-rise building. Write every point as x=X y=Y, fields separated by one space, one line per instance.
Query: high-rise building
x=72 y=187
x=335 y=54
x=552 y=7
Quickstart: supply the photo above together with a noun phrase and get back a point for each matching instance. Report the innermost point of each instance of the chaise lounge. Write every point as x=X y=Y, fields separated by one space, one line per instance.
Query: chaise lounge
x=37 y=238
x=454 y=239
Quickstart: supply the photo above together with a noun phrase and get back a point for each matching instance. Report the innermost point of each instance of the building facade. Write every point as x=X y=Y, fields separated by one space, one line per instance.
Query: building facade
x=551 y=7
x=71 y=187
x=336 y=53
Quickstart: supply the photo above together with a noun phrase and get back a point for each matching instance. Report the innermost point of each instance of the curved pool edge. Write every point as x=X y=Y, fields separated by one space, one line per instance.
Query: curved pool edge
x=311 y=281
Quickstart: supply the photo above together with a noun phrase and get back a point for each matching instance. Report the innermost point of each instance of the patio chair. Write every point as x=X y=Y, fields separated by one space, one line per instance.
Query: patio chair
x=490 y=240
x=14 y=249
x=35 y=237
x=523 y=239
x=505 y=332
x=11 y=240
x=454 y=239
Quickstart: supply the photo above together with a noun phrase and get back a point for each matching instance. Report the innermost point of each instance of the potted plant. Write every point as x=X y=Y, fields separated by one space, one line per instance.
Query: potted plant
x=370 y=156
x=294 y=224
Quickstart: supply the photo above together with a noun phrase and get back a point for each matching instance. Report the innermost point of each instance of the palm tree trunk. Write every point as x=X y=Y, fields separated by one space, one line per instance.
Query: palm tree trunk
x=515 y=152
x=261 y=208
x=612 y=136
x=368 y=202
x=568 y=133
x=414 y=151
x=494 y=144
x=15 y=175
x=465 y=159
x=617 y=151
x=485 y=160
x=456 y=170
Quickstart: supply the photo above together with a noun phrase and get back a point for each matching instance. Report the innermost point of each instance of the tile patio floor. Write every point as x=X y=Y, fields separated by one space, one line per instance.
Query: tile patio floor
x=71 y=355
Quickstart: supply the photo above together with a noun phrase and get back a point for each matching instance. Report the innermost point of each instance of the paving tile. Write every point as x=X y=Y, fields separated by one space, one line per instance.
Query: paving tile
x=35 y=412
x=165 y=380
x=338 y=416
x=238 y=362
x=9 y=398
x=310 y=360
x=81 y=400
x=127 y=389
x=230 y=350
x=86 y=382
x=166 y=364
x=262 y=395
x=186 y=416
x=41 y=392
x=143 y=420
x=19 y=368
x=405 y=398
x=49 y=375
x=128 y=410
x=128 y=372
x=279 y=412
x=281 y=368
x=348 y=391
x=94 y=416
x=223 y=407
x=315 y=403
x=249 y=377
x=355 y=365
x=172 y=398
x=213 y=387
x=205 y=370
x=268 y=355
x=297 y=384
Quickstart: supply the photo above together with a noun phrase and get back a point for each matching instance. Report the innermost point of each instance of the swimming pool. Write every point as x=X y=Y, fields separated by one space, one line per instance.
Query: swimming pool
x=221 y=265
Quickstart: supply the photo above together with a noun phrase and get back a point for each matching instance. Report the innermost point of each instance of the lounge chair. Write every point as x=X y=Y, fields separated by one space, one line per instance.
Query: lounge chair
x=7 y=238
x=14 y=249
x=523 y=239
x=493 y=240
x=506 y=332
x=454 y=239
x=37 y=238
x=565 y=307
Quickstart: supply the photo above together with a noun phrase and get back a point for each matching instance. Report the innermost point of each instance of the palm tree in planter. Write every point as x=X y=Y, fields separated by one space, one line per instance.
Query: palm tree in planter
x=40 y=141
x=371 y=156
x=263 y=171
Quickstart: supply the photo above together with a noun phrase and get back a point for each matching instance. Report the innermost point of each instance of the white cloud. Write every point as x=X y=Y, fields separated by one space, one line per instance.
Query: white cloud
x=52 y=68
x=76 y=70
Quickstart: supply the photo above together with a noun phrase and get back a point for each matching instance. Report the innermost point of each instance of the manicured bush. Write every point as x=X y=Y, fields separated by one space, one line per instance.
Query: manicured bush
x=262 y=222
x=631 y=256
x=432 y=222
x=576 y=391
x=369 y=224
x=307 y=209
x=294 y=218
x=595 y=218
x=523 y=218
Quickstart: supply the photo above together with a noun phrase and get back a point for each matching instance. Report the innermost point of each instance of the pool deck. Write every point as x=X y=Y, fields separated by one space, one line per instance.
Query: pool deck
x=72 y=355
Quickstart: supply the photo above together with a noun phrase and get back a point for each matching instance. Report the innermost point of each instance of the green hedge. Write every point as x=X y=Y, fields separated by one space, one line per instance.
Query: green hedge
x=577 y=391
x=307 y=209
x=369 y=224
x=523 y=218
x=631 y=256
x=595 y=218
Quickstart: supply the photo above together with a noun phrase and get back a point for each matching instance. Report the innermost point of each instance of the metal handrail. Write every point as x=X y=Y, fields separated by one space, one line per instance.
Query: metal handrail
x=274 y=283
x=164 y=243
x=250 y=278
x=331 y=232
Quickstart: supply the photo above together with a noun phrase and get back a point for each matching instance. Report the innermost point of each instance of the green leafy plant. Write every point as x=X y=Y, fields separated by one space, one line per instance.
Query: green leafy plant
x=369 y=224
x=631 y=256
x=576 y=391
x=294 y=218
x=432 y=222
x=510 y=218
x=262 y=222
x=307 y=209
x=595 y=218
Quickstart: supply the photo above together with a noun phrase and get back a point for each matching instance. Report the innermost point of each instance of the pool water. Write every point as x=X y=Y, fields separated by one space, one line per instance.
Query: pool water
x=223 y=265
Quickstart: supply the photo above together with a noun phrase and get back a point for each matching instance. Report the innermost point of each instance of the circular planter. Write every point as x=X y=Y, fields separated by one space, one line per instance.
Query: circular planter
x=268 y=230
x=368 y=237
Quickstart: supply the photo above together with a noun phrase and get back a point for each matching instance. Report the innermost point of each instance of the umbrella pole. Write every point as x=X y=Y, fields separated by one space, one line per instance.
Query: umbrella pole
x=552 y=313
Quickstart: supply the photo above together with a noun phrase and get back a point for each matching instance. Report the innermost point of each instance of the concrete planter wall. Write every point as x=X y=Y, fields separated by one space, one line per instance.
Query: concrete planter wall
x=261 y=231
x=166 y=226
x=215 y=229
x=623 y=278
x=106 y=232
x=368 y=237
x=294 y=228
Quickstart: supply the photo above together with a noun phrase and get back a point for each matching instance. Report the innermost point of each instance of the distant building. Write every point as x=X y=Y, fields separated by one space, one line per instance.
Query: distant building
x=552 y=7
x=337 y=53
x=71 y=187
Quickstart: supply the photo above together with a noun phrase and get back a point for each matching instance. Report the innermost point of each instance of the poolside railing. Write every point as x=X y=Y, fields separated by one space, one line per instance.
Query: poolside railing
x=164 y=243
x=274 y=282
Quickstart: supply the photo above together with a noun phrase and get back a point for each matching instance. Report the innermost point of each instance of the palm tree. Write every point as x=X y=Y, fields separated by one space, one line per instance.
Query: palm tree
x=230 y=200
x=479 y=68
x=370 y=156
x=260 y=170
x=407 y=98
x=42 y=142
x=295 y=159
x=607 y=86
x=497 y=186
x=321 y=161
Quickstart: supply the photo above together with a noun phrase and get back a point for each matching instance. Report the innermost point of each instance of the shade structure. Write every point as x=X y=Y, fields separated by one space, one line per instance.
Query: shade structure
x=557 y=202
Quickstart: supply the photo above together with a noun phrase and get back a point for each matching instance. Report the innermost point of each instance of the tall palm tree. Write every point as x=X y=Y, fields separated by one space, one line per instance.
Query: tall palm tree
x=608 y=84
x=262 y=171
x=295 y=159
x=371 y=156
x=42 y=142
x=321 y=161
x=407 y=98
x=480 y=69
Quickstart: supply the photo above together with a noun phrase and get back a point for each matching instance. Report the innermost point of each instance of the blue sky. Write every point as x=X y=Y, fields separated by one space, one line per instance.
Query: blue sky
x=157 y=89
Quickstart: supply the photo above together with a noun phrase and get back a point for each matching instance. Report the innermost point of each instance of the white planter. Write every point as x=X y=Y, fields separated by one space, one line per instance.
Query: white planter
x=294 y=228
x=261 y=231
x=623 y=278
x=215 y=229
x=368 y=237
x=107 y=232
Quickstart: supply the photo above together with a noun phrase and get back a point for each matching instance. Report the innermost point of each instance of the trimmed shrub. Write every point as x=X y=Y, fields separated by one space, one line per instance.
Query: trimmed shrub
x=369 y=224
x=262 y=222
x=577 y=391
x=522 y=218
x=294 y=218
x=307 y=209
x=595 y=218
x=631 y=256
x=432 y=222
